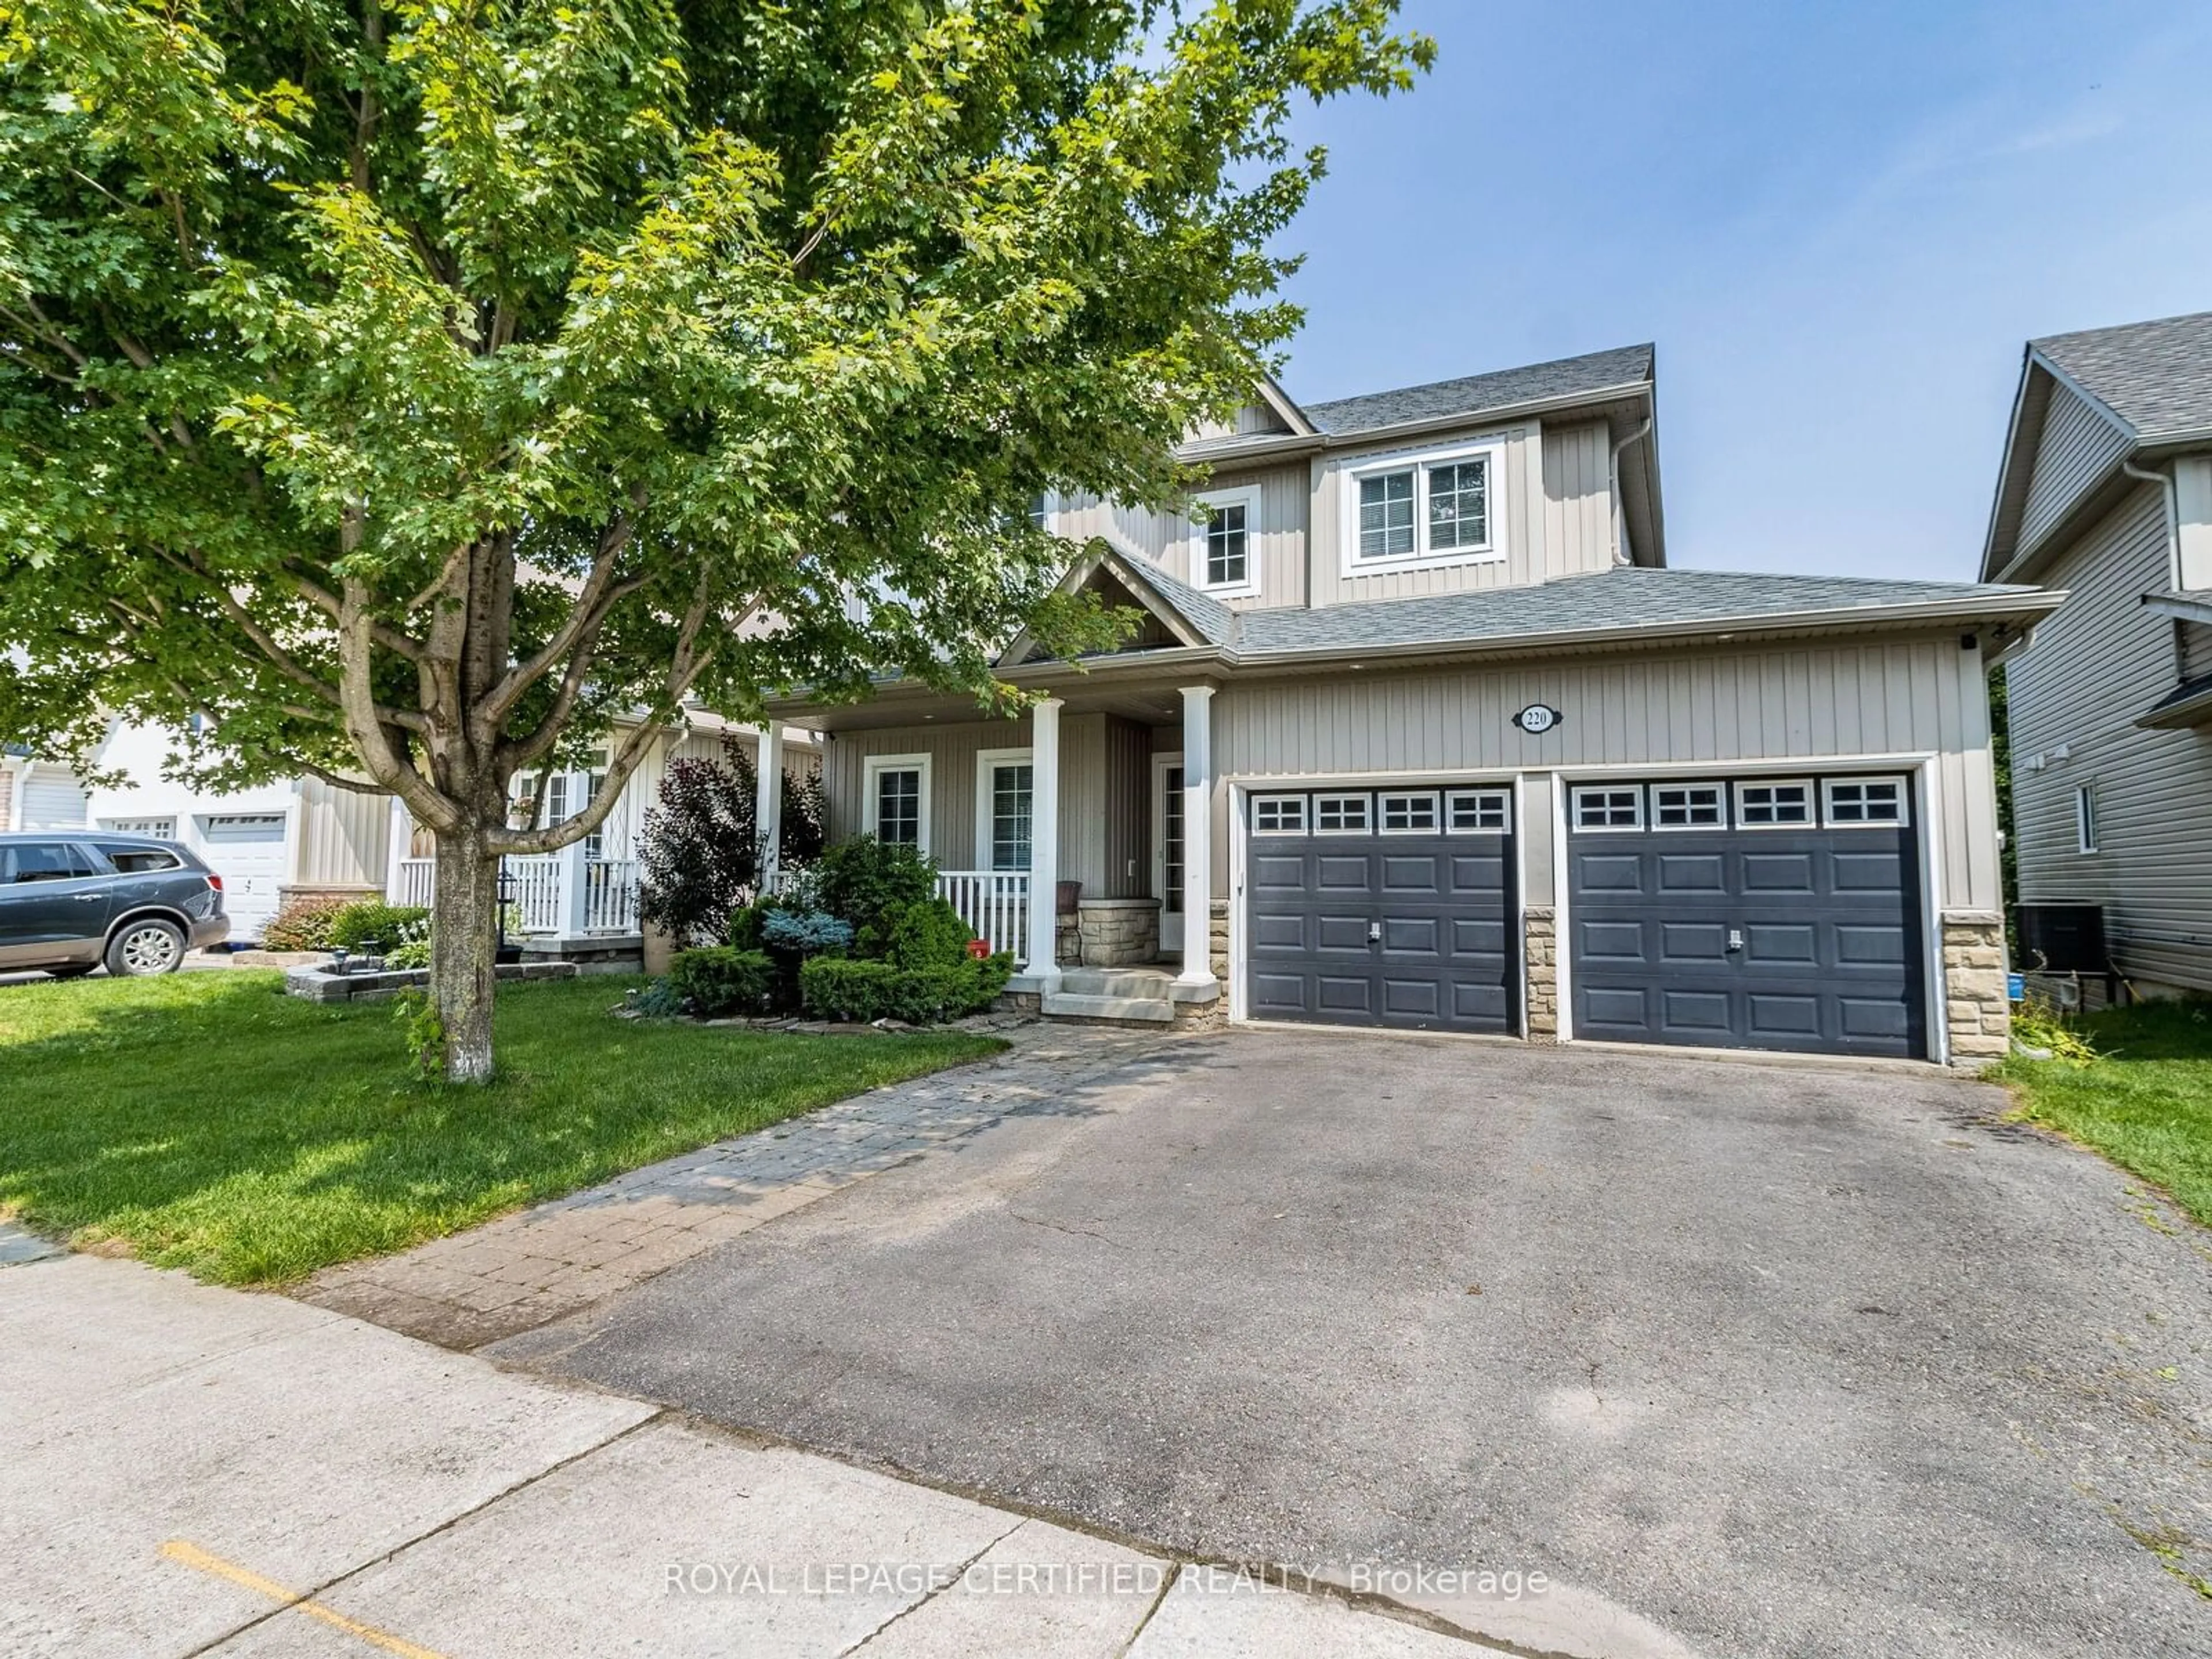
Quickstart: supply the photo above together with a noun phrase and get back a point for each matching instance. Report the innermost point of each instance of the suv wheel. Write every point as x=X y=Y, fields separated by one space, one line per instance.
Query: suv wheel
x=151 y=946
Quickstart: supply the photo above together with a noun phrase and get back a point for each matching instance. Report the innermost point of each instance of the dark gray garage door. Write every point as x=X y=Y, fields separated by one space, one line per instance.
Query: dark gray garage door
x=1752 y=914
x=1383 y=907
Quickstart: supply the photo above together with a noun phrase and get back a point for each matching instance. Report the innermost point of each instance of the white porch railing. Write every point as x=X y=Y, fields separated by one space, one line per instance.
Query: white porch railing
x=994 y=903
x=537 y=887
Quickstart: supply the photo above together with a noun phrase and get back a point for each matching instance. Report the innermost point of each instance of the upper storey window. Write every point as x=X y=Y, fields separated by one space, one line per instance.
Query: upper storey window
x=1225 y=550
x=1423 y=509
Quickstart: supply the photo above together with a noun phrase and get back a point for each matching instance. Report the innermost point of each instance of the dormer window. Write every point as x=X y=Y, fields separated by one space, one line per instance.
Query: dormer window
x=1423 y=509
x=1225 y=544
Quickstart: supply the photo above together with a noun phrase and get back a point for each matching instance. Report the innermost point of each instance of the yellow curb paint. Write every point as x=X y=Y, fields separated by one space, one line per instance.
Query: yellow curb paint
x=191 y=1555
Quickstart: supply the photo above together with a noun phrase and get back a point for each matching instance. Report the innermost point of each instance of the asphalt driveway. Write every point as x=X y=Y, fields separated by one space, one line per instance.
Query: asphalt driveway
x=1745 y=1360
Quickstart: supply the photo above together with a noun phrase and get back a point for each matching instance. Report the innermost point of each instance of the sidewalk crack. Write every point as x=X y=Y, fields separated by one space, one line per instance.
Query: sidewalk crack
x=917 y=1607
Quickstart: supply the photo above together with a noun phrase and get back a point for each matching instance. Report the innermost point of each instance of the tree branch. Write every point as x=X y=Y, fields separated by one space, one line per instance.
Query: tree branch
x=371 y=737
x=600 y=594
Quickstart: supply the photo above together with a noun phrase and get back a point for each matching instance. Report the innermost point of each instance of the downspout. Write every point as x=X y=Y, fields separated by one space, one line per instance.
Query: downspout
x=1612 y=482
x=2172 y=493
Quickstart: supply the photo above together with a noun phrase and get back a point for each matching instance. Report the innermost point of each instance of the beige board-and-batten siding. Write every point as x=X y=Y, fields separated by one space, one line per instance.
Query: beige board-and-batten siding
x=1923 y=695
x=1555 y=499
x=2091 y=669
x=1105 y=785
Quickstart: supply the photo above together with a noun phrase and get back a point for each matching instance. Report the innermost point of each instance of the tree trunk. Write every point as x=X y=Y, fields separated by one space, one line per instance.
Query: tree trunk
x=463 y=944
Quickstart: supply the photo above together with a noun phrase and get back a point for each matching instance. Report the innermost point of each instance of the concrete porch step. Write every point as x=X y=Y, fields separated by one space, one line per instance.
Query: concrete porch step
x=1076 y=1005
x=1152 y=982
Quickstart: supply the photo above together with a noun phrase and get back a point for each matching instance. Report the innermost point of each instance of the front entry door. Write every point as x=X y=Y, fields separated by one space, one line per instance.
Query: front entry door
x=1167 y=849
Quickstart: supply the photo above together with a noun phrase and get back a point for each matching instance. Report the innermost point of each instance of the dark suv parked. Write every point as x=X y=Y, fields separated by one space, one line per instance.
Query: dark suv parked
x=72 y=899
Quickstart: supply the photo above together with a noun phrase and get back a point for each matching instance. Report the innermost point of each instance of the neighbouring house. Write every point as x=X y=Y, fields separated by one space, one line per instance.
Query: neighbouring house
x=2105 y=491
x=1419 y=732
x=39 y=794
x=580 y=904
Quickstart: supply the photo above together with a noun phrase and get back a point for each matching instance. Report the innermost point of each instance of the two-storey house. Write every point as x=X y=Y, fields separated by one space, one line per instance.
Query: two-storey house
x=1420 y=732
x=2105 y=491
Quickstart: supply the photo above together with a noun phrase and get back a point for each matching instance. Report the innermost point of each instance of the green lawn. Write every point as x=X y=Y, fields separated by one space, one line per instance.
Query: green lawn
x=2145 y=1101
x=206 y=1120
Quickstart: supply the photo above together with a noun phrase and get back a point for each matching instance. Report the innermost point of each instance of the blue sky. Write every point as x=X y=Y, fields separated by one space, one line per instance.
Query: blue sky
x=1840 y=223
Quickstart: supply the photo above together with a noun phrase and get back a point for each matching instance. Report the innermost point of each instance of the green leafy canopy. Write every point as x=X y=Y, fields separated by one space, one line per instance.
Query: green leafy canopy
x=411 y=388
x=754 y=311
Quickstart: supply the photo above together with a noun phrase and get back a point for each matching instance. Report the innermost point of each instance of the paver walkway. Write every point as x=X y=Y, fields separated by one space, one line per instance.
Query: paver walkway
x=189 y=1471
x=543 y=1264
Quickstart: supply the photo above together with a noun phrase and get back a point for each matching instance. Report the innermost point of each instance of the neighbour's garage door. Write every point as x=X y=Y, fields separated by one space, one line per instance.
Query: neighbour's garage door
x=1383 y=907
x=1758 y=913
x=247 y=849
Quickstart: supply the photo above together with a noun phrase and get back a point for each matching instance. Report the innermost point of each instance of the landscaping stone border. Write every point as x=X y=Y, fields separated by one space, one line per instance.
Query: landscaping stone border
x=322 y=985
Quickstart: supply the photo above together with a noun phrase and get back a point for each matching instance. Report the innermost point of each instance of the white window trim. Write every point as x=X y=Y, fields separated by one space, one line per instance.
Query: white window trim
x=1365 y=829
x=1720 y=805
x=1248 y=497
x=987 y=760
x=1305 y=816
x=1902 y=820
x=1436 y=811
x=1812 y=819
x=1419 y=463
x=2085 y=817
x=881 y=764
x=1574 y=809
x=1504 y=796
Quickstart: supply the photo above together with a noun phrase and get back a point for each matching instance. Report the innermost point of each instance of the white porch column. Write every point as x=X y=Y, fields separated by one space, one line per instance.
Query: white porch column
x=401 y=831
x=575 y=892
x=1197 y=837
x=768 y=804
x=1044 y=843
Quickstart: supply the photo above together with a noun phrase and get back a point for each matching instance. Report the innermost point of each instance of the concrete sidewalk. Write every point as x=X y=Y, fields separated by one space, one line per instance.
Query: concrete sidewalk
x=186 y=1470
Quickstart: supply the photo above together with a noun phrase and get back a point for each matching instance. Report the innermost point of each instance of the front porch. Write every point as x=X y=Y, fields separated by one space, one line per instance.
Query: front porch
x=1059 y=835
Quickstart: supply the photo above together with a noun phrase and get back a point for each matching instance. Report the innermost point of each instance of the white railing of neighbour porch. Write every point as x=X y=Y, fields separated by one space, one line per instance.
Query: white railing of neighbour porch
x=994 y=903
x=610 y=895
x=534 y=889
x=536 y=885
x=417 y=877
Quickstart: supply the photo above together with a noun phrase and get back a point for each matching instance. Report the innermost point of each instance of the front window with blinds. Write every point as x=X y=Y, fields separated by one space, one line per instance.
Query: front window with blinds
x=1228 y=547
x=1459 y=505
x=1386 y=515
x=898 y=806
x=1011 y=800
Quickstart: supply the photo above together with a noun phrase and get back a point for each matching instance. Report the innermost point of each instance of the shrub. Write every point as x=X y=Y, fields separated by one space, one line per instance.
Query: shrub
x=857 y=880
x=388 y=924
x=410 y=953
x=302 y=925
x=656 y=999
x=808 y=933
x=834 y=987
x=701 y=847
x=718 y=979
x=926 y=933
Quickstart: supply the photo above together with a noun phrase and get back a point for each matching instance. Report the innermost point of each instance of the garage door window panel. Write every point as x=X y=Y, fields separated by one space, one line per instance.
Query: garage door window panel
x=1778 y=805
x=1279 y=815
x=1606 y=808
x=1854 y=802
x=1342 y=815
x=1477 y=811
x=1409 y=814
x=1686 y=806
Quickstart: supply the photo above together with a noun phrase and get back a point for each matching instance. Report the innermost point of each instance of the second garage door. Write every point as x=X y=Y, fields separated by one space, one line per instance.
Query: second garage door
x=1754 y=914
x=1381 y=907
x=247 y=849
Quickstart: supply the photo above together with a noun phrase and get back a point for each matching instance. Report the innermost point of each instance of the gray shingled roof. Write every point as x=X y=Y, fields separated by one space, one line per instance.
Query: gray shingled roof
x=1626 y=597
x=2155 y=376
x=1474 y=393
x=1213 y=620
